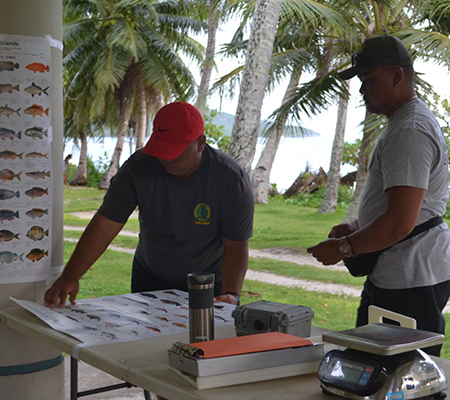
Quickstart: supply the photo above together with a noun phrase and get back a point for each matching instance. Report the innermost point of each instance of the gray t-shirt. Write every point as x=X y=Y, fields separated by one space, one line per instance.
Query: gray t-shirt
x=411 y=151
x=182 y=222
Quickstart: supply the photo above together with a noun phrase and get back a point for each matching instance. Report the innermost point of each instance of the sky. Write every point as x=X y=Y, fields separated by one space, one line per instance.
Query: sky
x=324 y=124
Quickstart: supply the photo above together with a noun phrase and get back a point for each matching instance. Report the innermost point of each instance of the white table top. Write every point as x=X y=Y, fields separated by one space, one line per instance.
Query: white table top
x=144 y=363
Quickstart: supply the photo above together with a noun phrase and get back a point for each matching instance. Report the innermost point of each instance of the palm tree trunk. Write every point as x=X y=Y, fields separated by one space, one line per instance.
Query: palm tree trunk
x=208 y=63
x=254 y=82
x=80 y=176
x=330 y=199
x=361 y=175
x=142 y=120
x=261 y=173
x=125 y=114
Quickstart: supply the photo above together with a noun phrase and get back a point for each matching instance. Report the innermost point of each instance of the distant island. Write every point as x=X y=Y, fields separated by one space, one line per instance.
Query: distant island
x=227 y=121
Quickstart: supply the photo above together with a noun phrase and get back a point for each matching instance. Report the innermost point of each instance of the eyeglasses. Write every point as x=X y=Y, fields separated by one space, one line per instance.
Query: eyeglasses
x=369 y=59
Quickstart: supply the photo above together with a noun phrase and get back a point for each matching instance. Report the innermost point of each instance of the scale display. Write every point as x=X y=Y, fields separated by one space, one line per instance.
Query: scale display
x=352 y=372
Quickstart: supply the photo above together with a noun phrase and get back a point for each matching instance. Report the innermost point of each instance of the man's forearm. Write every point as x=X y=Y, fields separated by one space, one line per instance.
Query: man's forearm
x=234 y=265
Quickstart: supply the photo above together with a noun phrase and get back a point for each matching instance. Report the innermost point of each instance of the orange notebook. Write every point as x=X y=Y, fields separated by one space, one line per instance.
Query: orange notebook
x=249 y=344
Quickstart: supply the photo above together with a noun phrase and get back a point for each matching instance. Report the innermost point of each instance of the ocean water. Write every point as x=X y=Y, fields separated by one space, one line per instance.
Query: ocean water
x=293 y=155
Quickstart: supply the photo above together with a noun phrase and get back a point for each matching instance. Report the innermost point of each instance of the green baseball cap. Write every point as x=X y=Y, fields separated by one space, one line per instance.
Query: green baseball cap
x=375 y=51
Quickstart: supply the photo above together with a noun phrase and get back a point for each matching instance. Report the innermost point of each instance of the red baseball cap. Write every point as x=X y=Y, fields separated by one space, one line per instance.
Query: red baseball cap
x=175 y=126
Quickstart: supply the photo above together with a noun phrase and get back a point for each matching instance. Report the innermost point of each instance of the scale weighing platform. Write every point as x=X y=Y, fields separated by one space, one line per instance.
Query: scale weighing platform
x=382 y=362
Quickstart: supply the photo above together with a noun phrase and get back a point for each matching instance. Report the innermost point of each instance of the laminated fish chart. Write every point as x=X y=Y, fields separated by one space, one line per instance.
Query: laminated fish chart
x=125 y=317
x=26 y=182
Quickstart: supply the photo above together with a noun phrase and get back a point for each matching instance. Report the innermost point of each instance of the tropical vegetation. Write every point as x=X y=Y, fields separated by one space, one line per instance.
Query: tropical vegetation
x=124 y=59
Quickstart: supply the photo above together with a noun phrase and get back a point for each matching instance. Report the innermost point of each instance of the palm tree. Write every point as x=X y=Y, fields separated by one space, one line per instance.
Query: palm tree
x=330 y=198
x=254 y=82
x=293 y=48
x=134 y=48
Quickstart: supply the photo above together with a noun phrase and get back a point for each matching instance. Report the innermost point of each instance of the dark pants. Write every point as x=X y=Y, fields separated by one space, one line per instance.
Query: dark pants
x=144 y=281
x=424 y=304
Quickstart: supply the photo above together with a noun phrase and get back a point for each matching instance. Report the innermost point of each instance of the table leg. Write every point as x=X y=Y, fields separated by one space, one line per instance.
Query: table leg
x=73 y=378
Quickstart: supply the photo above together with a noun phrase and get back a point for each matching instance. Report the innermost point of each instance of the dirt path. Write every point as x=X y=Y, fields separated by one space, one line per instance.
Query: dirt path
x=273 y=254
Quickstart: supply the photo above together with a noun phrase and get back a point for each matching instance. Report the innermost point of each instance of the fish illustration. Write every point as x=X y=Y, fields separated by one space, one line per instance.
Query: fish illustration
x=6 y=236
x=181 y=316
x=10 y=155
x=38 y=174
x=172 y=293
x=180 y=325
x=149 y=295
x=37 y=254
x=162 y=318
x=38 y=67
x=36 y=212
x=151 y=328
x=6 y=194
x=91 y=316
x=36 y=233
x=8 y=175
x=72 y=318
x=8 y=133
x=89 y=328
x=8 y=215
x=109 y=335
x=36 y=132
x=35 y=154
x=174 y=303
x=8 y=88
x=34 y=110
x=114 y=315
x=78 y=311
x=8 y=66
x=35 y=90
x=8 y=111
x=111 y=325
x=160 y=309
x=36 y=192
x=9 y=257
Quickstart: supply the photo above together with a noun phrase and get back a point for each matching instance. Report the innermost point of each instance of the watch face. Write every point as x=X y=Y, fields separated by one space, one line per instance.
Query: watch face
x=344 y=248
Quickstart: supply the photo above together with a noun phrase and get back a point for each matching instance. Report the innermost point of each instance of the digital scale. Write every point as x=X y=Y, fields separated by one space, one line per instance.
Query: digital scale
x=382 y=362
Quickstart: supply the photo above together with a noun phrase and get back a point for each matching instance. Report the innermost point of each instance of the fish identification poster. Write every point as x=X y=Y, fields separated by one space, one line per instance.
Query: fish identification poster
x=26 y=189
x=126 y=317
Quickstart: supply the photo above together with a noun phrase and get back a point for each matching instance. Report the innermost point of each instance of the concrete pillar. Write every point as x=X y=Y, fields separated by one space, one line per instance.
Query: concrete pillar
x=18 y=352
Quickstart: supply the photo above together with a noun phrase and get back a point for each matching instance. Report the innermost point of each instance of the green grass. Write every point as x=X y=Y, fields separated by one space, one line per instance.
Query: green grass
x=279 y=225
x=82 y=199
x=304 y=272
x=109 y=276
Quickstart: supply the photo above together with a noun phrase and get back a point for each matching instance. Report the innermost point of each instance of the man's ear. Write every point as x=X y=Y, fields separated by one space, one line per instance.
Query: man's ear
x=201 y=142
x=398 y=75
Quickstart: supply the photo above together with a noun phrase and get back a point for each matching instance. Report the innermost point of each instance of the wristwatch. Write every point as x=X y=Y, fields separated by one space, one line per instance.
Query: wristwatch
x=345 y=248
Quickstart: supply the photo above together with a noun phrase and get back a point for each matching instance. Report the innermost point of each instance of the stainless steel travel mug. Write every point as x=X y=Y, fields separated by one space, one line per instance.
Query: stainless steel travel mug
x=201 y=306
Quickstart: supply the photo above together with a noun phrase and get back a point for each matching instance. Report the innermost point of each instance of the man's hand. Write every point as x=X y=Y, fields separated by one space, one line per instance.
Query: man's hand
x=326 y=252
x=226 y=298
x=62 y=288
x=344 y=229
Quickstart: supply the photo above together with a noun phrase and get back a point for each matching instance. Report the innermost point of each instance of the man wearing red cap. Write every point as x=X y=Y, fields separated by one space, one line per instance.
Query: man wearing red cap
x=405 y=196
x=195 y=213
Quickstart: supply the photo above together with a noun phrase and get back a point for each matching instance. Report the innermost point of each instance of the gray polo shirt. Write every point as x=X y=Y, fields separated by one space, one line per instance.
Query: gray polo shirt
x=182 y=222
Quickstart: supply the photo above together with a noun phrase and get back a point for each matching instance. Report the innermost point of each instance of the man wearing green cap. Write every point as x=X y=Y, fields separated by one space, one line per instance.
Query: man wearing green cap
x=407 y=186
